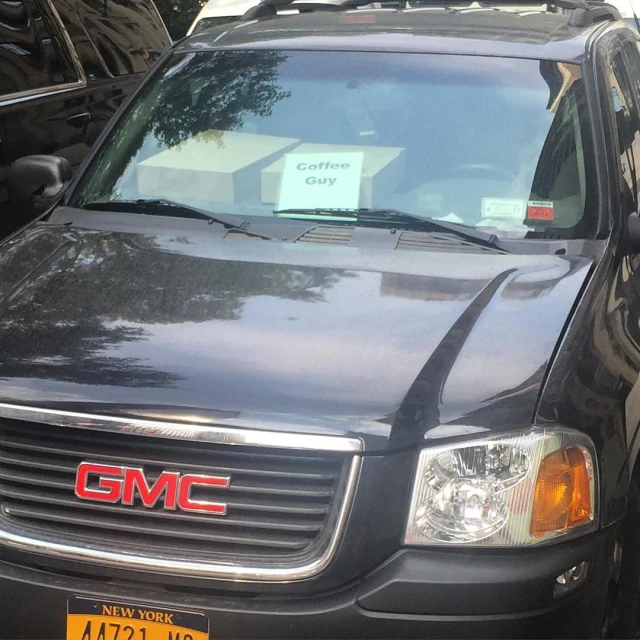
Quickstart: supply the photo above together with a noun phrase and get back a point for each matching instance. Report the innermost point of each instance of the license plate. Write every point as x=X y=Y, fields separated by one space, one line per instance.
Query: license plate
x=105 y=620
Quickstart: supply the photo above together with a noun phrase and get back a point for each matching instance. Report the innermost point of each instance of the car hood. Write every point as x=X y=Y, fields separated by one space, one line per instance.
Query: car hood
x=390 y=346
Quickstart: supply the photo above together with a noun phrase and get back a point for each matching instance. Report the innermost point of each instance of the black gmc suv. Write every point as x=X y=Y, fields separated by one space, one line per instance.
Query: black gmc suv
x=335 y=334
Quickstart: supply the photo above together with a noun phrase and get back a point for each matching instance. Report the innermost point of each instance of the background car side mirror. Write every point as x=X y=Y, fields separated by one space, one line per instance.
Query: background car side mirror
x=38 y=180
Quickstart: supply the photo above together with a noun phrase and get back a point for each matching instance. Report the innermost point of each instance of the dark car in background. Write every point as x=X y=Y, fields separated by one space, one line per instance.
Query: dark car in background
x=65 y=68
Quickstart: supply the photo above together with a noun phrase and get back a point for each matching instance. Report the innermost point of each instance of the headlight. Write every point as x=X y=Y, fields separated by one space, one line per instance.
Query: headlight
x=511 y=490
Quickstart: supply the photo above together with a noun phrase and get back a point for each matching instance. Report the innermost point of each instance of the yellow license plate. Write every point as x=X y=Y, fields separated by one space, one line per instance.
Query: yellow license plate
x=89 y=619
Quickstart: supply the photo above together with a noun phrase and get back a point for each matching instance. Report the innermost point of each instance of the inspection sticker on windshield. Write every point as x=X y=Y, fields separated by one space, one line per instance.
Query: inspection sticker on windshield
x=89 y=619
x=321 y=181
x=504 y=208
x=540 y=210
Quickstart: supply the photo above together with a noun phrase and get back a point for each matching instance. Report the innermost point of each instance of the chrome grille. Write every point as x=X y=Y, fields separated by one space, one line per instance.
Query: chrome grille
x=282 y=504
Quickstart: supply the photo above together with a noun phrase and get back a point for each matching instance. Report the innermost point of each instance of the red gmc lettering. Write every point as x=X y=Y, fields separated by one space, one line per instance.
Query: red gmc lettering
x=167 y=483
x=109 y=488
x=122 y=484
x=187 y=504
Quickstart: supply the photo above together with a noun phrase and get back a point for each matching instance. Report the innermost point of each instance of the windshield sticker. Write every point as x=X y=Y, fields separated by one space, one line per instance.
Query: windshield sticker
x=321 y=181
x=504 y=208
x=540 y=210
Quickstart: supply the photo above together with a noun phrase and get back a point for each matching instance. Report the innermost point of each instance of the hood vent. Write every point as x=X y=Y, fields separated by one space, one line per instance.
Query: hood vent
x=406 y=240
x=328 y=234
x=420 y=241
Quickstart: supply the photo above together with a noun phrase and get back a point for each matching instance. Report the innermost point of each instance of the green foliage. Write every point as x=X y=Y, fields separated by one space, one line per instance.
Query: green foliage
x=178 y=15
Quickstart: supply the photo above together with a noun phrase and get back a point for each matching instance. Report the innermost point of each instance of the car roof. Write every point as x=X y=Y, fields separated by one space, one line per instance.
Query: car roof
x=492 y=32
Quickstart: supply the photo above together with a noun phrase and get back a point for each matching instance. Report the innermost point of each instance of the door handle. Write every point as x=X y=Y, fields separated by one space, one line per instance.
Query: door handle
x=79 y=119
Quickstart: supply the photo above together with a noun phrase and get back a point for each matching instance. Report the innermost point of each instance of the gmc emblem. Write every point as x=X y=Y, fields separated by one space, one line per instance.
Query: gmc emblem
x=124 y=484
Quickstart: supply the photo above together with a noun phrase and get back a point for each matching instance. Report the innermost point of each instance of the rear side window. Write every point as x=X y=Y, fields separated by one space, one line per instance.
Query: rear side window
x=127 y=35
x=61 y=66
x=92 y=63
x=23 y=64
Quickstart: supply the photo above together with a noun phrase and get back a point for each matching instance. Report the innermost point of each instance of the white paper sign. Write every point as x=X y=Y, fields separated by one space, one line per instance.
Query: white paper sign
x=321 y=181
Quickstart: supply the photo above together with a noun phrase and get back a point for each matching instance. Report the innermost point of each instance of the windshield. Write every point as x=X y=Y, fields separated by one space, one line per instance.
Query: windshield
x=493 y=143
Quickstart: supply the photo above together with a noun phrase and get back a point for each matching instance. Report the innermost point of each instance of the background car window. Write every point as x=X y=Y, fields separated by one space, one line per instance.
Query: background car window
x=126 y=35
x=92 y=63
x=59 y=60
x=627 y=118
x=23 y=63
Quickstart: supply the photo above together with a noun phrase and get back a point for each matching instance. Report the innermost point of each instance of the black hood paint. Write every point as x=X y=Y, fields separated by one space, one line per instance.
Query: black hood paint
x=392 y=346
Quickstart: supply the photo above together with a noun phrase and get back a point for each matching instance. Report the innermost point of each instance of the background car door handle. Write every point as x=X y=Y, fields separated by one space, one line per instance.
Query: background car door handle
x=79 y=119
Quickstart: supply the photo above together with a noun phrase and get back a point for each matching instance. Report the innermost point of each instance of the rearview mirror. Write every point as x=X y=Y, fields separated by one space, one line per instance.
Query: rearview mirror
x=38 y=180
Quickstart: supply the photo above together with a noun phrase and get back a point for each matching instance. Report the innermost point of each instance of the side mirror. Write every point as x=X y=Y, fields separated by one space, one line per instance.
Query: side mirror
x=38 y=180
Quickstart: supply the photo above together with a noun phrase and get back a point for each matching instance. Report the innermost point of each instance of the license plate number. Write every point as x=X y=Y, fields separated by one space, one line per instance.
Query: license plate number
x=89 y=619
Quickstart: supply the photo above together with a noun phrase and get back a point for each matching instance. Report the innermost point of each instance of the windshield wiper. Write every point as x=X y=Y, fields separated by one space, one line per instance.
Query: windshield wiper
x=171 y=208
x=390 y=216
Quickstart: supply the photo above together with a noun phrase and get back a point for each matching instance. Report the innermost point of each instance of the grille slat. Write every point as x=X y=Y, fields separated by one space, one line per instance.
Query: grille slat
x=280 y=503
x=64 y=499
x=61 y=452
x=131 y=526
x=24 y=476
x=35 y=498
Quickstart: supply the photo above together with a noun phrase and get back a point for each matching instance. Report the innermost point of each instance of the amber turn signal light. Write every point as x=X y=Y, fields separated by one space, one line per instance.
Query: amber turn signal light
x=563 y=494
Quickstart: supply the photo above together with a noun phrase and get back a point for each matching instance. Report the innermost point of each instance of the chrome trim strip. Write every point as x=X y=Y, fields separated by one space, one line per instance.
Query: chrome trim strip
x=68 y=550
x=43 y=92
x=210 y=433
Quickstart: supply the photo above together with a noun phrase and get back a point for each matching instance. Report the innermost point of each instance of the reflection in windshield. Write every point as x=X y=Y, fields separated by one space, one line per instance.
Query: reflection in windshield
x=499 y=144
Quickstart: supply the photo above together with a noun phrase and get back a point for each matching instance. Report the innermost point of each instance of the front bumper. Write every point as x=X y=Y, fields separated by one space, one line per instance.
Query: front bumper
x=415 y=594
